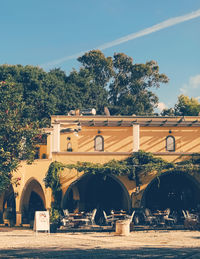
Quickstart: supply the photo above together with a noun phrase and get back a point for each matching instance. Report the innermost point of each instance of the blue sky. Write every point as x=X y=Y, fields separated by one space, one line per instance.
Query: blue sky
x=44 y=32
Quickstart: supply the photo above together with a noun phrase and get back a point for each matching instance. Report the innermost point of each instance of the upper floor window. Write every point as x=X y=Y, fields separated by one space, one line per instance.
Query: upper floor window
x=99 y=143
x=170 y=143
x=69 y=147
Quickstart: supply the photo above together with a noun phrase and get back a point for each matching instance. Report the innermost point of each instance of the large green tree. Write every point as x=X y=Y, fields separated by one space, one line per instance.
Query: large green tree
x=115 y=82
x=128 y=85
x=85 y=93
x=16 y=133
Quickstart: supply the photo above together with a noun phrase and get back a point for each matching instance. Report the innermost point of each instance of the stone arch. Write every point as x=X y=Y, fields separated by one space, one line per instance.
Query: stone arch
x=176 y=190
x=32 y=199
x=92 y=191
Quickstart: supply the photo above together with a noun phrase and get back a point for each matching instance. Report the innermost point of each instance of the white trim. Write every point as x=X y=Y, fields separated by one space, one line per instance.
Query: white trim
x=136 y=137
x=56 y=137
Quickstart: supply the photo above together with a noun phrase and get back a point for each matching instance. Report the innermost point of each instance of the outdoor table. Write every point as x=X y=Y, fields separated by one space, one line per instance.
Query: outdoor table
x=119 y=215
x=76 y=215
x=119 y=212
x=78 y=219
x=160 y=216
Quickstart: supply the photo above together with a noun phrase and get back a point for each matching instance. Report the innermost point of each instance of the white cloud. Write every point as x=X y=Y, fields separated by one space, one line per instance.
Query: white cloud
x=160 y=26
x=194 y=81
x=161 y=106
x=192 y=87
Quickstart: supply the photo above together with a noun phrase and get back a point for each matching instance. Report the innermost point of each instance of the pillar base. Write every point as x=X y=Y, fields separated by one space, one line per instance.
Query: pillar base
x=18 y=219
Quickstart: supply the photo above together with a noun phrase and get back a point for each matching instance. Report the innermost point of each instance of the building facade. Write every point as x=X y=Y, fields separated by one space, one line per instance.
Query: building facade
x=99 y=139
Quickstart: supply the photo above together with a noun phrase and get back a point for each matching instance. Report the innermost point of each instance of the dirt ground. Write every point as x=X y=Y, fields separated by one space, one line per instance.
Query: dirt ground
x=24 y=243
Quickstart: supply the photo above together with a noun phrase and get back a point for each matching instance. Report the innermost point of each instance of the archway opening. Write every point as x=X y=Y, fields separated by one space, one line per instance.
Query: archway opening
x=96 y=191
x=174 y=190
x=35 y=204
x=33 y=199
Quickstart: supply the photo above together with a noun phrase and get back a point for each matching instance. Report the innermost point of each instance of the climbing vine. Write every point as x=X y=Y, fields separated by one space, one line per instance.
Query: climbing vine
x=52 y=180
x=133 y=166
x=138 y=163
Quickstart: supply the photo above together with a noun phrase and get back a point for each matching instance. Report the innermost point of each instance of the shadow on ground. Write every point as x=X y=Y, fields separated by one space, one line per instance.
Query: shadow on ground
x=103 y=253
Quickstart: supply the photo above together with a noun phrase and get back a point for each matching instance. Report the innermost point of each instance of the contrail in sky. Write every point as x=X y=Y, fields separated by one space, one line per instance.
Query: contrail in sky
x=165 y=24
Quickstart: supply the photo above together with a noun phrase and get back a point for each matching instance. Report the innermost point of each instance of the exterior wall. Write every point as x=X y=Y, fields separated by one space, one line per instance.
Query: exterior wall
x=115 y=139
x=118 y=144
x=153 y=139
x=27 y=173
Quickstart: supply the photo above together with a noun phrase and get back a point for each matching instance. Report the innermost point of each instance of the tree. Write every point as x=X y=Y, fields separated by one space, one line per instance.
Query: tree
x=85 y=93
x=101 y=81
x=187 y=106
x=98 y=66
x=17 y=134
x=53 y=92
x=167 y=112
x=128 y=84
x=37 y=89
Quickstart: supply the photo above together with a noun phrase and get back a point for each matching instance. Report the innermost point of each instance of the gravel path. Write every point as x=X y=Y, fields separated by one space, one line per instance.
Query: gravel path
x=20 y=243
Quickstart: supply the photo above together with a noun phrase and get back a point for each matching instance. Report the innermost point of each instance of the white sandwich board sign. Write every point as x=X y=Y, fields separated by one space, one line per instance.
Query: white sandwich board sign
x=41 y=221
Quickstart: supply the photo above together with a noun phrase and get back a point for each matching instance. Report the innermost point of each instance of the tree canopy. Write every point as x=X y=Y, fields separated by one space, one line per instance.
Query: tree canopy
x=113 y=82
x=17 y=134
x=128 y=85
x=185 y=106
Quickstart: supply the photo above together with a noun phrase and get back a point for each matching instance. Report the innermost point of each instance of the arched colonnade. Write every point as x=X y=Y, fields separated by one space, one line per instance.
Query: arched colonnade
x=175 y=190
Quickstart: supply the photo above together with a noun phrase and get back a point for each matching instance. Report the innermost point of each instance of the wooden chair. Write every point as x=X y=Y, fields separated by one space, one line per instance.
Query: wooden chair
x=110 y=220
x=130 y=217
x=149 y=218
x=169 y=220
x=190 y=222
x=191 y=215
x=91 y=217
x=66 y=213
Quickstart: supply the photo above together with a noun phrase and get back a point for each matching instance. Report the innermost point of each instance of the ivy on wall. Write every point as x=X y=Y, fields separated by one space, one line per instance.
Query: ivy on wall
x=52 y=180
x=138 y=163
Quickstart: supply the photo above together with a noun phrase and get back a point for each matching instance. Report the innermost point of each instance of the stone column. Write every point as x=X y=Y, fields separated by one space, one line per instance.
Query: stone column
x=50 y=145
x=136 y=137
x=18 y=218
x=56 y=137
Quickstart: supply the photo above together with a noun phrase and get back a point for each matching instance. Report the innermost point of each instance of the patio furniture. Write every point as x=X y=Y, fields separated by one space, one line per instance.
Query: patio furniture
x=149 y=218
x=188 y=215
x=191 y=215
x=74 y=219
x=190 y=221
x=66 y=218
x=120 y=215
x=169 y=220
x=130 y=217
x=66 y=212
x=79 y=219
x=110 y=220
x=91 y=217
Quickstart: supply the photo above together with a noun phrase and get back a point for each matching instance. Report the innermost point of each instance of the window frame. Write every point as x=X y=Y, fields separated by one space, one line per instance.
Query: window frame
x=102 y=143
x=173 y=144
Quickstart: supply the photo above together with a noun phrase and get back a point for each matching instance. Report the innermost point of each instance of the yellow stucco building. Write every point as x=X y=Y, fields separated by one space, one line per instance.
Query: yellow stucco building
x=99 y=139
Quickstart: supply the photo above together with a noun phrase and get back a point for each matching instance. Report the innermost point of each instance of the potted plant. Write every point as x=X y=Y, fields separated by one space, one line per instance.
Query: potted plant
x=54 y=219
